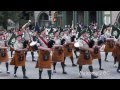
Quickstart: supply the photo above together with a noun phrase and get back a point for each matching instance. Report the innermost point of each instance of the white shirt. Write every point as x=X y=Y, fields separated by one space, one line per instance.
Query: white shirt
x=57 y=41
x=2 y=43
x=18 y=45
x=27 y=35
x=67 y=38
x=107 y=34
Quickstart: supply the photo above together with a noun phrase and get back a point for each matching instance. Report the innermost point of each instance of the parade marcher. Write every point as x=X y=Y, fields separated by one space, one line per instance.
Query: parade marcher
x=58 y=53
x=116 y=53
x=19 y=57
x=109 y=43
x=28 y=38
x=73 y=39
x=96 y=49
x=85 y=57
x=4 y=52
x=44 y=55
x=68 y=46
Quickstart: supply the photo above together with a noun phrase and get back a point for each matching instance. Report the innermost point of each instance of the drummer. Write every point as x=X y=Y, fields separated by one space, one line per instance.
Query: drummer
x=3 y=53
x=44 y=56
x=19 y=57
x=58 y=53
x=85 y=57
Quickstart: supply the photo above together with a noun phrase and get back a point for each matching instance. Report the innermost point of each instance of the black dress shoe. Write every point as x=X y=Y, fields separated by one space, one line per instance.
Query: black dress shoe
x=76 y=56
x=25 y=77
x=64 y=72
x=8 y=72
x=54 y=71
x=65 y=65
x=118 y=70
x=15 y=75
x=93 y=76
x=74 y=65
x=106 y=60
x=101 y=69
x=33 y=60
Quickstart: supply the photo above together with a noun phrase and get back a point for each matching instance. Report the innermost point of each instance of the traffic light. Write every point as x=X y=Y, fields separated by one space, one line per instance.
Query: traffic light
x=55 y=17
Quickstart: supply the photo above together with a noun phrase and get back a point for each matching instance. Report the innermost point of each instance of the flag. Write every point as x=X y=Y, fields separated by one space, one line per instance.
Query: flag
x=115 y=31
x=12 y=39
x=37 y=28
x=90 y=32
x=51 y=31
x=103 y=27
x=79 y=31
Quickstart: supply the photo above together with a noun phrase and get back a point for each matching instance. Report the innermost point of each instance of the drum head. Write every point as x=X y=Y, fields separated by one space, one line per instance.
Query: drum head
x=33 y=43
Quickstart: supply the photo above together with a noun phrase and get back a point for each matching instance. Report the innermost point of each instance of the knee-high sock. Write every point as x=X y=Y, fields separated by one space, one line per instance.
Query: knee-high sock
x=72 y=60
x=32 y=53
x=24 y=70
x=54 y=65
x=100 y=64
x=15 y=69
x=7 y=66
x=80 y=68
x=115 y=60
x=106 y=53
x=49 y=73
x=90 y=69
x=63 y=66
x=40 y=73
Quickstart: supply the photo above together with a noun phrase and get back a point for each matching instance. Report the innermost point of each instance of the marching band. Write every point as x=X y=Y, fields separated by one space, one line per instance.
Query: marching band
x=55 y=46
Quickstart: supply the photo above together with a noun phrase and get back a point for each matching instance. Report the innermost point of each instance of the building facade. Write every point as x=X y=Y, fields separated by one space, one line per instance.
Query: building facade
x=62 y=18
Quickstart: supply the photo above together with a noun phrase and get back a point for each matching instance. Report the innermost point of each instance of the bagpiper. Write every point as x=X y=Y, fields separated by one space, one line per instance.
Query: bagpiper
x=96 y=49
x=109 y=42
x=58 y=52
x=44 y=60
x=19 y=57
x=28 y=38
x=116 y=53
x=85 y=57
x=4 y=52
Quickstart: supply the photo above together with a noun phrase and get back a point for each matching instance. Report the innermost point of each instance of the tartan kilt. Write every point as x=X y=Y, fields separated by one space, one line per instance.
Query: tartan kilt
x=41 y=63
x=116 y=52
x=107 y=48
x=15 y=60
x=11 y=49
x=66 y=52
x=58 y=56
x=4 y=59
x=82 y=61
x=96 y=56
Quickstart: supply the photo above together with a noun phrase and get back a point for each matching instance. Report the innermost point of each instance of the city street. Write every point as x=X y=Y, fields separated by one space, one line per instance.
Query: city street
x=108 y=73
